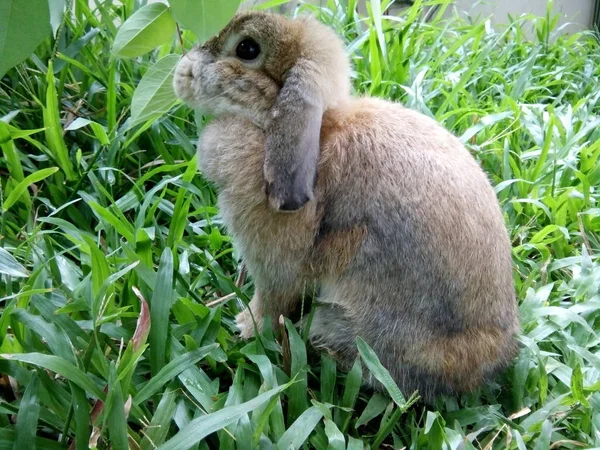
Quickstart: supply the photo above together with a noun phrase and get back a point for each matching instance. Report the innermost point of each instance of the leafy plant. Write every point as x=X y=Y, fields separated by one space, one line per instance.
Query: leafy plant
x=16 y=16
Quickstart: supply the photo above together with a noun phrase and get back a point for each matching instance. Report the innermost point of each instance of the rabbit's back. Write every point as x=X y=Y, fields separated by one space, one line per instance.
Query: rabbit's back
x=431 y=284
x=422 y=197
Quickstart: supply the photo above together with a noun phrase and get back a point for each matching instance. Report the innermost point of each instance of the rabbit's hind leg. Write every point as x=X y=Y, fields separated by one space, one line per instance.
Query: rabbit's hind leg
x=332 y=331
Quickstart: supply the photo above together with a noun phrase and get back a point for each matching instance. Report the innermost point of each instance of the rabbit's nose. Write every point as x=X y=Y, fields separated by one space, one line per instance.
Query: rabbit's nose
x=184 y=67
x=287 y=203
x=294 y=204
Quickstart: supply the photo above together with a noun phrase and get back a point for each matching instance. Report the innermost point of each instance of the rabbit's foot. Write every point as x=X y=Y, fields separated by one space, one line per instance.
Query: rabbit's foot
x=245 y=323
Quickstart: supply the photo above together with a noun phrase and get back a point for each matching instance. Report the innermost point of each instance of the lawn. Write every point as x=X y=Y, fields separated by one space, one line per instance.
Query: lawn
x=119 y=286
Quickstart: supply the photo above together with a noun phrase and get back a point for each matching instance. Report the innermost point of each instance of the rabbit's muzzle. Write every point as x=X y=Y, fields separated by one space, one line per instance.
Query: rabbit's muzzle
x=190 y=82
x=223 y=85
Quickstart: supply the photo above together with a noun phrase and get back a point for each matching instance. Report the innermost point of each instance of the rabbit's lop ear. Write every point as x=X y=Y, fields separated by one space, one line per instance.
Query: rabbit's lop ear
x=292 y=139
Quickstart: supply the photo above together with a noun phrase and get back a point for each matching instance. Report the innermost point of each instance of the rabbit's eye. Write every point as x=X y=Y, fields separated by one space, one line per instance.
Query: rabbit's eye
x=248 y=49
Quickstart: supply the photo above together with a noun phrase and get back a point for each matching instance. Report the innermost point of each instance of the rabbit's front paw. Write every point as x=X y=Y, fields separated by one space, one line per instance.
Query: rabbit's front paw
x=245 y=324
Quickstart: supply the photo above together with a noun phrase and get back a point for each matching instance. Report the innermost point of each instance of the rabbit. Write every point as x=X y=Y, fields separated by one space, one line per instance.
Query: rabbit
x=378 y=206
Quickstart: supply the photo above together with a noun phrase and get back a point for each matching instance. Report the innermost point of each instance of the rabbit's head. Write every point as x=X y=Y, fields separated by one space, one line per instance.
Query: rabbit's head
x=281 y=74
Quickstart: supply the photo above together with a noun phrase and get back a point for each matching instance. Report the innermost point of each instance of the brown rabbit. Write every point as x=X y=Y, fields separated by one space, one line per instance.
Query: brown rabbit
x=377 y=205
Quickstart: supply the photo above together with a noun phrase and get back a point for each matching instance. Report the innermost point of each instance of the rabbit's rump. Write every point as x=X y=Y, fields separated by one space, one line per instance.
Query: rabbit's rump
x=405 y=240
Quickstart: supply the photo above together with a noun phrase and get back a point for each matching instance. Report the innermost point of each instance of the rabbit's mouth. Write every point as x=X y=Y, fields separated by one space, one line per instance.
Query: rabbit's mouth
x=189 y=80
x=224 y=87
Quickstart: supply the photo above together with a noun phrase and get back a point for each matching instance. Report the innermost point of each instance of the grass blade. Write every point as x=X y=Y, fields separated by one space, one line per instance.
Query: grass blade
x=160 y=306
x=115 y=412
x=171 y=370
x=29 y=412
x=351 y=389
x=298 y=391
x=379 y=372
x=354 y=444
x=59 y=366
x=298 y=433
x=377 y=404
x=334 y=436
x=158 y=429
x=328 y=378
x=82 y=417
x=10 y=266
x=22 y=186
x=53 y=128
x=199 y=428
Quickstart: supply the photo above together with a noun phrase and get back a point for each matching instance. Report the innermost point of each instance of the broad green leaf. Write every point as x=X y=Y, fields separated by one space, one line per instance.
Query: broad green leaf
x=205 y=18
x=78 y=123
x=260 y=418
x=434 y=429
x=98 y=129
x=10 y=266
x=268 y=4
x=11 y=154
x=199 y=428
x=150 y=26
x=276 y=418
x=154 y=95
x=485 y=121
x=379 y=372
x=23 y=185
x=23 y=26
x=195 y=380
x=182 y=204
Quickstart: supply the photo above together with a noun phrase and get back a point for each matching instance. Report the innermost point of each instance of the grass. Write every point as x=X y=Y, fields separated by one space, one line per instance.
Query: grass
x=119 y=287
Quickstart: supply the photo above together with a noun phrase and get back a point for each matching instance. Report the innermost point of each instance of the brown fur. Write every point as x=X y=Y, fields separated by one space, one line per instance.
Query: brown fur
x=401 y=232
x=334 y=251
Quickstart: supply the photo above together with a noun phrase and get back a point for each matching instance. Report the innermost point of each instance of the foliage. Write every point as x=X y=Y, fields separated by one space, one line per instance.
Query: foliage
x=16 y=16
x=119 y=286
x=146 y=29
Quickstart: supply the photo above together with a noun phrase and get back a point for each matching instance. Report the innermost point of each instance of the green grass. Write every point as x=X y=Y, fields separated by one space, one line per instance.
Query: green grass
x=99 y=221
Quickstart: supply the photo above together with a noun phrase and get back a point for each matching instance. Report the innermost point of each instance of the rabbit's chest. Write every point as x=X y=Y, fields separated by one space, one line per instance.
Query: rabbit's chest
x=261 y=233
x=231 y=154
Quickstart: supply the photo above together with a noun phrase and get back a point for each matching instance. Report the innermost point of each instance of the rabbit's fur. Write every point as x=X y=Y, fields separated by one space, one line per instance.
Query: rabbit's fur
x=377 y=205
